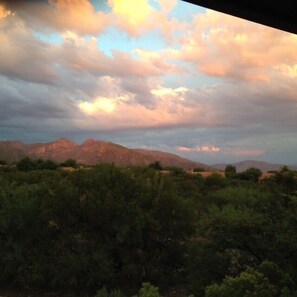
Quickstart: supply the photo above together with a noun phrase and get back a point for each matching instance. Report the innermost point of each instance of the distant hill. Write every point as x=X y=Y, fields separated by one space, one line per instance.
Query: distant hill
x=172 y=159
x=244 y=165
x=92 y=152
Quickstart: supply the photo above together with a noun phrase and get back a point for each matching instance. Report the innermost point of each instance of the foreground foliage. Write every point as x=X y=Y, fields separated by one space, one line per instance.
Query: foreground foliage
x=107 y=230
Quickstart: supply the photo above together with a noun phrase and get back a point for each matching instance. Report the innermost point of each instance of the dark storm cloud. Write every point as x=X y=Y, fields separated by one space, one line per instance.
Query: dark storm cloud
x=33 y=105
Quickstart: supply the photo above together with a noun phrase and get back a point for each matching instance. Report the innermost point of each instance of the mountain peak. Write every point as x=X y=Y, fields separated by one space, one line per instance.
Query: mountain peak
x=63 y=140
x=90 y=141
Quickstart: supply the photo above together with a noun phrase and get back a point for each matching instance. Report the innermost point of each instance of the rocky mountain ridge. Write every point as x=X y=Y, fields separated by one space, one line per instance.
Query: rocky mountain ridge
x=91 y=152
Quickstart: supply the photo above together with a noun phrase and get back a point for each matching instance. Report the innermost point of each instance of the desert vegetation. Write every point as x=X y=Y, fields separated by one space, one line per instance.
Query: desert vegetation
x=129 y=231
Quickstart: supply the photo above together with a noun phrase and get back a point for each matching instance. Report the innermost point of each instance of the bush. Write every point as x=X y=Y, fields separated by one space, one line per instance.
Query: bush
x=113 y=293
x=148 y=290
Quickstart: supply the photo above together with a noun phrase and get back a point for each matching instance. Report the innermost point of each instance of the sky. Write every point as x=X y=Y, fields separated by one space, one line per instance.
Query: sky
x=157 y=74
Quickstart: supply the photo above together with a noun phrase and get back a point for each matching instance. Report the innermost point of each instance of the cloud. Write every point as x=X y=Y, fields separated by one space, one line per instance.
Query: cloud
x=167 y=5
x=136 y=81
x=26 y=57
x=163 y=59
x=146 y=103
x=208 y=149
x=125 y=115
x=177 y=93
x=224 y=46
x=223 y=83
x=132 y=15
x=287 y=70
x=100 y=103
x=22 y=55
x=33 y=106
x=203 y=148
x=60 y=15
x=83 y=55
x=184 y=149
x=137 y=17
x=4 y=12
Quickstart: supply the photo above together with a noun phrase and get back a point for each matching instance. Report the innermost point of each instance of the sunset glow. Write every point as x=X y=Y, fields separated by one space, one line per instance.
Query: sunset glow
x=104 y=104
x=4 y=12
x=163 y=74
x=135 y=12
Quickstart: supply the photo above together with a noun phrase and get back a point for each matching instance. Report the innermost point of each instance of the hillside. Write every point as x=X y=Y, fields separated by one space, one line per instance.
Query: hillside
x=91 y=152
x=172 y=159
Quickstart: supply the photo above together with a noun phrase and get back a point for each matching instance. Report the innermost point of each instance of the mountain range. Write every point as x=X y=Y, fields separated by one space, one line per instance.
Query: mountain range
x=244 y=165
x=92 y=152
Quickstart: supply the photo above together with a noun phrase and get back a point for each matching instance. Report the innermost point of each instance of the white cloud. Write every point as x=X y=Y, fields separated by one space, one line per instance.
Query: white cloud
x=99 y=104
x=177 y=93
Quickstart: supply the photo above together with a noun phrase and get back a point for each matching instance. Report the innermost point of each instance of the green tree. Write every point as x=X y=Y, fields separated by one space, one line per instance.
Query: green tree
x=198 y=169
x=215 y=181
x=286 y=179
x=175 y=170
x=26 y=164
x=248 y=284
x=69 y=163
x=268 y=280
x=230 y=171
x=156 y=165
x=251 y=174
x=46 y=165
x=2 y=162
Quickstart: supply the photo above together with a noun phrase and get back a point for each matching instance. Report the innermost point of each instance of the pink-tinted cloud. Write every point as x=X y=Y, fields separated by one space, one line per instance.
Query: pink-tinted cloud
x=120 y=113
x=60 y=15
x=225 y=46
x=133 y=83
x=136 y=17
x=127 y=116
x=178 y=93
x=22 y=55
x=115 y=106
x=150 y=89
x=184 y=149
x=26 y=57
x=208 y=149
x=162 y=59
x=204 y=149
x=167 y=5
x=132 y=16
x=83 y=55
